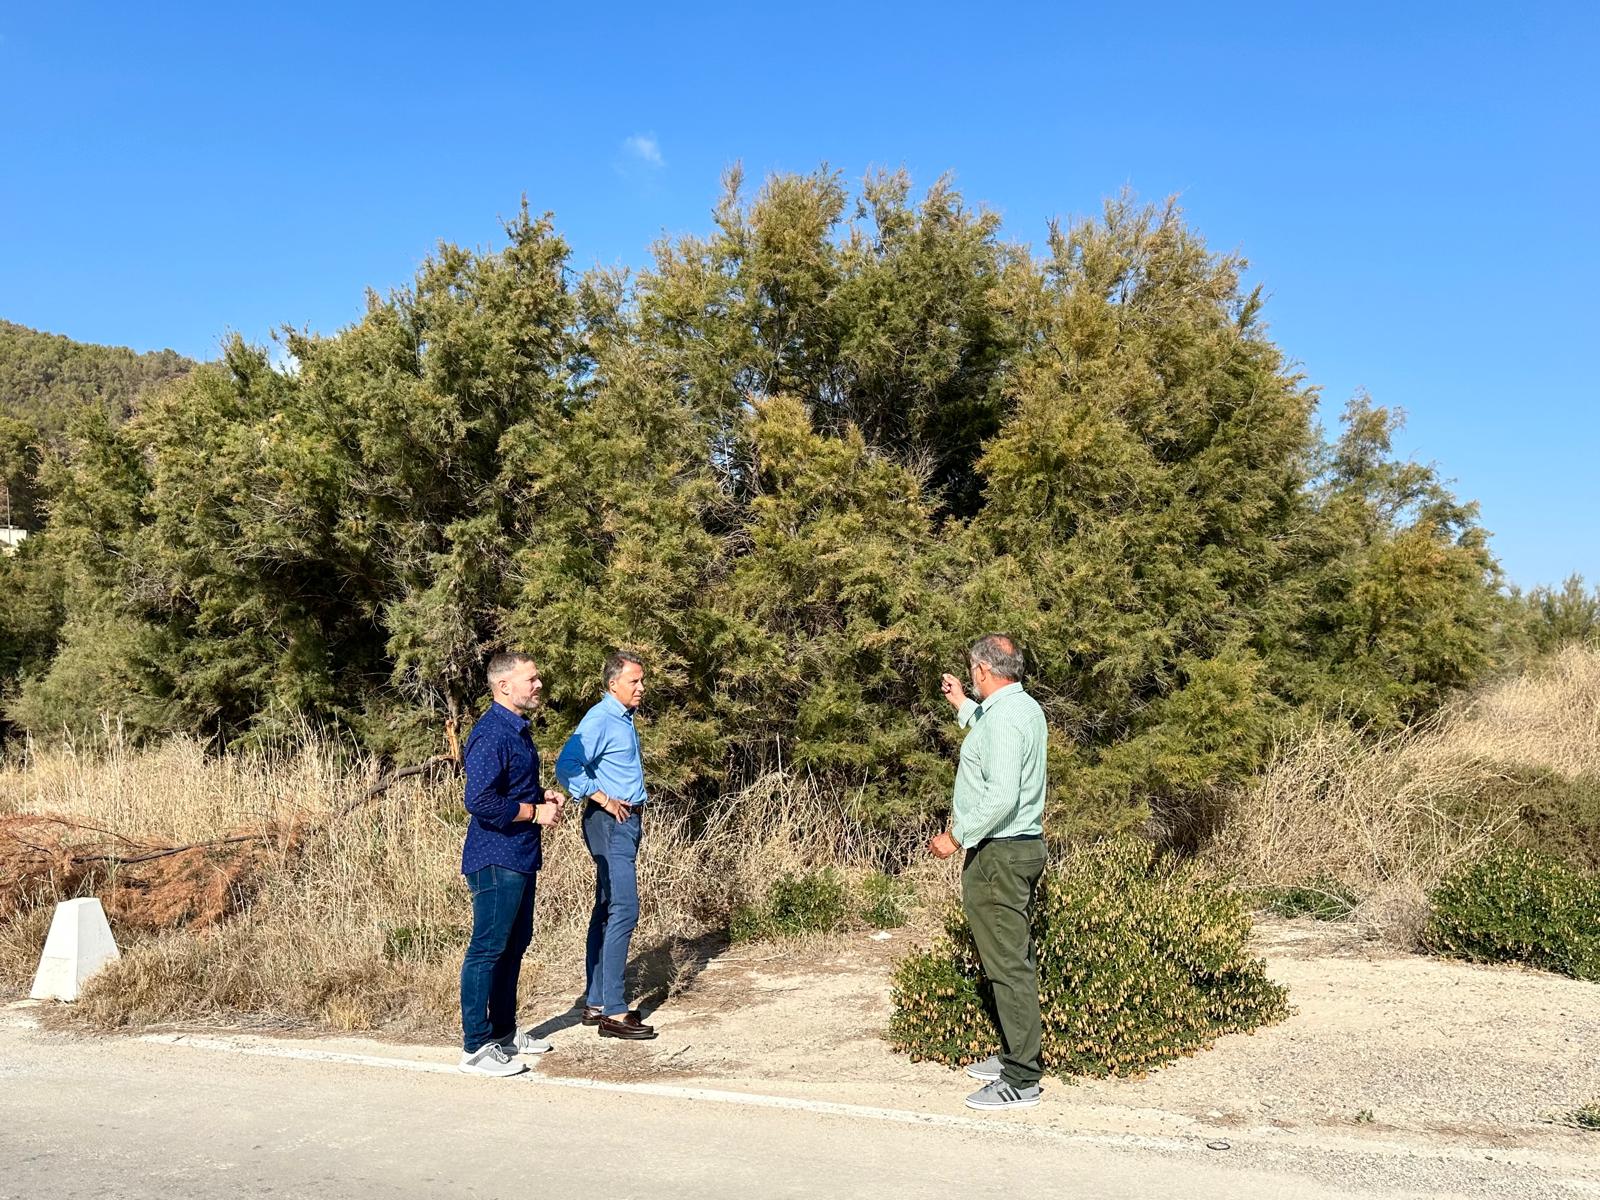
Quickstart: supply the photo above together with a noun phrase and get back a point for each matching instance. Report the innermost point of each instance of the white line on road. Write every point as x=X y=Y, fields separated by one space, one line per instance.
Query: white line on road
x=711 y=1095
x=1126 y=1141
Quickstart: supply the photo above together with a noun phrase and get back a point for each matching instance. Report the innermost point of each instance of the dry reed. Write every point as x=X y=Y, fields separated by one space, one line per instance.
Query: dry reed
x=1386 y=818
x=362 y=925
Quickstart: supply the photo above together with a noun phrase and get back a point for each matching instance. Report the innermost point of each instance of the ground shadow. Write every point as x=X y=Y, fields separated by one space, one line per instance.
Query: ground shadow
x=670 y=967
x=654 y=976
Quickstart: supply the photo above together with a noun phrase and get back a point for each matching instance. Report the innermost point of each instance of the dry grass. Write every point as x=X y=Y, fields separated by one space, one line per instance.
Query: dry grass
x=1386 y=819
x=362 y=924
x=1548 y=717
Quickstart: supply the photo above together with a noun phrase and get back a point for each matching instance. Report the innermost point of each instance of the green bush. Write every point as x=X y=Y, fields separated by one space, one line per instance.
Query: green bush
x=806 y=902
x=1322 y=900
x=1559 y=815
x=883 y=901
x=1516 y=905
x=1142 y=959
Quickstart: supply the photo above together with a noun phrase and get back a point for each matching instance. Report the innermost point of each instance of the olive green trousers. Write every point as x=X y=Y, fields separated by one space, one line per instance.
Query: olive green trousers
x=997 y=885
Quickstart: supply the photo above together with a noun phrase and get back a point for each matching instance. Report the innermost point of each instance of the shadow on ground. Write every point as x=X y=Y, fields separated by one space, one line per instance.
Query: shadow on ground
x=655 y=976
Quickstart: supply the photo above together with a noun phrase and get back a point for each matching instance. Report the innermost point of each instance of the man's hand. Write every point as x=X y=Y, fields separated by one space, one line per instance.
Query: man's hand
x=953 y=691
x=548 y=813
x=554 y=796
x=943 y=845
x=617 y=808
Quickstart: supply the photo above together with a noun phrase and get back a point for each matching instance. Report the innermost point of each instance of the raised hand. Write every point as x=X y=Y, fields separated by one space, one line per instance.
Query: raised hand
x=952 y=689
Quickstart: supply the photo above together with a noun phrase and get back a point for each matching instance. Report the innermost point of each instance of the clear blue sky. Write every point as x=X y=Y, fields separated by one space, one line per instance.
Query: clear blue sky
x=1414 y=184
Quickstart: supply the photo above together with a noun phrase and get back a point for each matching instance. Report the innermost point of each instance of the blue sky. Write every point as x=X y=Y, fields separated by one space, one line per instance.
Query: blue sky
x=1414 y=185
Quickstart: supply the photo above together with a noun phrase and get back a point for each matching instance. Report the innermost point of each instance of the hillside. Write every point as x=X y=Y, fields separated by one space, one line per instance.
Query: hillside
x=44 y=377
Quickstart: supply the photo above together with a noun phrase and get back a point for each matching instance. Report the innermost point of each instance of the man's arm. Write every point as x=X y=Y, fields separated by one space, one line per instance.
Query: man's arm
x=1002 y=787
x=576 y=763
x=486 y=797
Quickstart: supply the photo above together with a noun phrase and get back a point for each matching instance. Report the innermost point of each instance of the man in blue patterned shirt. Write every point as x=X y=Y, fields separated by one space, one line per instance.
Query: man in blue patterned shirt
x=500 y=859
x=601 y=765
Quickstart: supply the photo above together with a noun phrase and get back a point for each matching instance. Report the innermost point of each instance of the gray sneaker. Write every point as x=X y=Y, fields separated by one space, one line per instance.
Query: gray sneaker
x=525 y=1043
x=490 y=1059
x=988 y=1070
x=1000 y=1094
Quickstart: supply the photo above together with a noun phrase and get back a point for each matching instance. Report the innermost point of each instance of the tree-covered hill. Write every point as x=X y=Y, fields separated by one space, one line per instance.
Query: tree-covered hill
x=47 y=381
x=45 y=378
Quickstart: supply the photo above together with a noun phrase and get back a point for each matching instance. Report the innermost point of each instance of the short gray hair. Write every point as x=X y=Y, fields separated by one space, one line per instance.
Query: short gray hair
x=505 y=662
x=615 y=662
x=1000 y=653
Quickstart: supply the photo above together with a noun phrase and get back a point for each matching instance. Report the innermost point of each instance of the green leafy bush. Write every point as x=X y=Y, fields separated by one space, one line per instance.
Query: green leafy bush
x=1516 y=905
x=883 y=900
x=1142 y=959
x=804 y=902
x=1323 y=900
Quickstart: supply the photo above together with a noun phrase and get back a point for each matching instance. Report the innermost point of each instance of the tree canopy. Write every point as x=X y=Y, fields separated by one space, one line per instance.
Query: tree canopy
x=800 y=462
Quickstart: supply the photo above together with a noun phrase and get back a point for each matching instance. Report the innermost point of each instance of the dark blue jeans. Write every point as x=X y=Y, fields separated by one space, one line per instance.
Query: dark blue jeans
x=502 y=927
x=614 y=846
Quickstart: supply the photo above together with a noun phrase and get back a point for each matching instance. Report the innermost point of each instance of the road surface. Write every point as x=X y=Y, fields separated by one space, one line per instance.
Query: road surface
x=202 y=1115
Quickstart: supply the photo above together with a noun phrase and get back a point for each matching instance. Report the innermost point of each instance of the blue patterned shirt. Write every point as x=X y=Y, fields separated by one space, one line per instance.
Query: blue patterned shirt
x=602 y=755
x=502 y=775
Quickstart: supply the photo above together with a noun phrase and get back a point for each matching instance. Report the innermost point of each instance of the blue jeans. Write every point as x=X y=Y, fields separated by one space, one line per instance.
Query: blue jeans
x=502 y=927
x=614 y=846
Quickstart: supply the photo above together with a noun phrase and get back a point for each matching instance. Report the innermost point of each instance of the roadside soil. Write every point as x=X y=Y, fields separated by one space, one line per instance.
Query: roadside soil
x=1381 y=1044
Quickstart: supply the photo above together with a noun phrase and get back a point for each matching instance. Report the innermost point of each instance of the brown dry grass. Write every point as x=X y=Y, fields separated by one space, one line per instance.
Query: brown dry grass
x=1386 y=818
x=358 y=922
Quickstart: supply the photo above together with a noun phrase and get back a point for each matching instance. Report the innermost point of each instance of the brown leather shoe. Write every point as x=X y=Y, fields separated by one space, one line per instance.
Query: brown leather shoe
x=626 y=1026
x=592 y=1014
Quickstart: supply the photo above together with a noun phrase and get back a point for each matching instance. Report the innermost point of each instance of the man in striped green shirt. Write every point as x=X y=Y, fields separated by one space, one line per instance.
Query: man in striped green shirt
x=997 y=817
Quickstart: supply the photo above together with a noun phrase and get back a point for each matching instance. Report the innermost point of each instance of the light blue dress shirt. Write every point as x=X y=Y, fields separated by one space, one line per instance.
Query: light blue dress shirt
x=602 y=755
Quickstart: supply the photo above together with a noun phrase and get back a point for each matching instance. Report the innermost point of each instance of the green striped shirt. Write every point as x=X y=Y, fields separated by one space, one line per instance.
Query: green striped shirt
x=1000 y=780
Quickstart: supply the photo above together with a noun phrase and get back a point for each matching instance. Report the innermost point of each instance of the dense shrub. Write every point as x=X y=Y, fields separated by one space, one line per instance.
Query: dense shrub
x=884 y=900
x=803 y=902
x=1516 y=905
x=1559 y=815
x=1142 y=959
x=1322 y=900
x=798 y=463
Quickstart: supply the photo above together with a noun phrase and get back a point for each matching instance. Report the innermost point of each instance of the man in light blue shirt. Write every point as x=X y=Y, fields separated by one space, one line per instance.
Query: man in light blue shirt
x=601 y=765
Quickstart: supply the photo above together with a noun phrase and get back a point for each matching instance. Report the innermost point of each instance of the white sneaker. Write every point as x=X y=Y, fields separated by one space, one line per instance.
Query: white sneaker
x=490 y=1059
x=525 y=1043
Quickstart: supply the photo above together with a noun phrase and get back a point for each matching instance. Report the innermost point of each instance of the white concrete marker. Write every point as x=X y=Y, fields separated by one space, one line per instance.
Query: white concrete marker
x=78 y=945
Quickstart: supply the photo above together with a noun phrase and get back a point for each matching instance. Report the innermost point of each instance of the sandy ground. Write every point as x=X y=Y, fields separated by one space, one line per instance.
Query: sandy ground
x=1426 y=1047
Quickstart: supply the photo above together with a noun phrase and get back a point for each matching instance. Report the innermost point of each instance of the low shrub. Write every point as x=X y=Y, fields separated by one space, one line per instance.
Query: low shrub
x=884 y=900
x=1516 y=905
x=801 y=902
x=1322 y=900
x=1559 y=815
x=1142 y=959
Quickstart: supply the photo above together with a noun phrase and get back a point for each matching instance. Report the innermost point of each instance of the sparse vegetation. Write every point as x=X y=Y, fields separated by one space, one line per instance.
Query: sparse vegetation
x=363 y=924
x=1382 y=820
x=1586 y=1116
